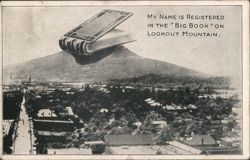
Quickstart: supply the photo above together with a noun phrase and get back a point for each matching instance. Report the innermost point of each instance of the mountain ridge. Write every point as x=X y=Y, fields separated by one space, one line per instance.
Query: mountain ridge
x=118 y=62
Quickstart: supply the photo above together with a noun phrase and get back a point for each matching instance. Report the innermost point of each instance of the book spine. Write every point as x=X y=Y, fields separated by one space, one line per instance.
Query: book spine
x=74 y=45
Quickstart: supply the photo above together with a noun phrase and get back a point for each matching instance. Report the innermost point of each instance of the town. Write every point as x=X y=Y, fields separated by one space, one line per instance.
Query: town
x=117 y=118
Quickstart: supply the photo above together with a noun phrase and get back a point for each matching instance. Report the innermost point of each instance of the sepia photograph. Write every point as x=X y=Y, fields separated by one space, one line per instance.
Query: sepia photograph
x=126 y=79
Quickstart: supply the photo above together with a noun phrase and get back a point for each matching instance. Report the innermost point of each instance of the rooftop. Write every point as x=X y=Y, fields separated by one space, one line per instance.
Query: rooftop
x=185 y=147
x=49 y=133
x=131 y=150
x=171 y=149
x=114 y=140
x=93 y=142
x=53 y=121
x=46 y=113
x=201 y=140
x=69 y=111
x=69 y=151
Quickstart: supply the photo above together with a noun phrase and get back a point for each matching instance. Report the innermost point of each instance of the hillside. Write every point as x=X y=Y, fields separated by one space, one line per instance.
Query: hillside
x=113 y=63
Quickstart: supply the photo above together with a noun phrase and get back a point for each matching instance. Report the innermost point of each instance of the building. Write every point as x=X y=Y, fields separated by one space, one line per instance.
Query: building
x=50 y=136
x=97 y=147
x=148 y=128
x=230 y=141
x=8 y=136
x=200 y=140
x=54 y=125
x=41 y=87
x=129 y=150
x=175 y=148
x=12 y=94
x=75 y=151
x=185 y=147
x=46 y=113
x=50 y=90
x=104 y=110
x=174 y=107
x=67 y=112
x=152 y=102
x=48 y=133
x=7 y=125
x=53 y=131
x=70 y=111
x=153 y=126
x=118 y=140
x=90 y=143
x=159 y=124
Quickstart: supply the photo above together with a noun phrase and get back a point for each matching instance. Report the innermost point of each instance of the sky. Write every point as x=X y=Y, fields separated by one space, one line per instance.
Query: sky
x=32 y=32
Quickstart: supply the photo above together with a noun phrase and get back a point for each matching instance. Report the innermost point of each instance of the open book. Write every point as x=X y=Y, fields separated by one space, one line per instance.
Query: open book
x=97 y=33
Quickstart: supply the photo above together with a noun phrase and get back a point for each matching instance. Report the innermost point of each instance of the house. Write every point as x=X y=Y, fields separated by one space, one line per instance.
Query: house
x=125 y=139
x=200 y=140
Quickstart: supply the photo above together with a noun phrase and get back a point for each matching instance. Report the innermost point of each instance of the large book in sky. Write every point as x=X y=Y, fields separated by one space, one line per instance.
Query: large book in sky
x=97 y=33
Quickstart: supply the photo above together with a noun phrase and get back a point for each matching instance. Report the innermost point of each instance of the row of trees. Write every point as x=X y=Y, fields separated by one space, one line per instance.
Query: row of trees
x=160 y=80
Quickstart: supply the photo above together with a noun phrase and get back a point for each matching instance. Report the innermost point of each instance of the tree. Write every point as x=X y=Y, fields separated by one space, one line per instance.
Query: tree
x=231 y=124
x=166 y=134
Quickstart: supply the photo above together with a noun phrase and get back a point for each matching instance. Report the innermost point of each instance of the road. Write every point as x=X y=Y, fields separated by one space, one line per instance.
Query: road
x=23 y=143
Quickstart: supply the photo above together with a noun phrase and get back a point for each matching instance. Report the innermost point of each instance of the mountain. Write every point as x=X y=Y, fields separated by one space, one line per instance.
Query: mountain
x=114 y=63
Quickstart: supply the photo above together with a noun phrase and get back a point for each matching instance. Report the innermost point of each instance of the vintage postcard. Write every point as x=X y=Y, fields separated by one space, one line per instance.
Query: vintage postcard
x=125 y=80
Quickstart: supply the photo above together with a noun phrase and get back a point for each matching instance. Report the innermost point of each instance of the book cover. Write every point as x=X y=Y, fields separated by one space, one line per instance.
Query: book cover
x=78 y=39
